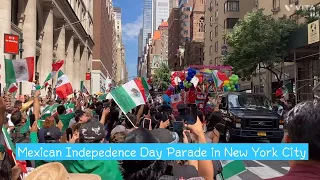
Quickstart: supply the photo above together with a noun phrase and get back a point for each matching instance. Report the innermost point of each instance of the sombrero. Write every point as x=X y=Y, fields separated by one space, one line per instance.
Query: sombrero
x=56 y=171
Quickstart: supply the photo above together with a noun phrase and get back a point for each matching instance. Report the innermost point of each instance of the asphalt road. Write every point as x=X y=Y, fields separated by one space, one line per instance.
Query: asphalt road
x=257 y=170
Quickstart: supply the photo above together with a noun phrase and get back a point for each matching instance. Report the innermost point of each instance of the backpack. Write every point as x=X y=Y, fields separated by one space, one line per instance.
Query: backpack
x=17 y=137
x=217 y=169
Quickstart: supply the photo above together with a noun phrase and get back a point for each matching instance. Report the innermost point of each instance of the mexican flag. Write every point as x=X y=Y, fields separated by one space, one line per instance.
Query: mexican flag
x=232 y=168
x=83 y=89
x=69 y=107
x=13 y=88
x=11 y=149
x=55 y=68
x=129 y=95
x=63 y=88
x=20 y=70
x=219 y=78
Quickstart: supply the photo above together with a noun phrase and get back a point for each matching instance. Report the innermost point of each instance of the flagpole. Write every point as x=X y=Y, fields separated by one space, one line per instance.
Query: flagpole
x=123 y=112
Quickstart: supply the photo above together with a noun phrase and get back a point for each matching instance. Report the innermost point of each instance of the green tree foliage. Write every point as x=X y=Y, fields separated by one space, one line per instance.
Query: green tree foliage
x=161 y=77
x=311 y=14
x=258 y=39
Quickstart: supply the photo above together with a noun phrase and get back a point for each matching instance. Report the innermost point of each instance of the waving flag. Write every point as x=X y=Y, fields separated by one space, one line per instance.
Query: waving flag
x=219 y=78
x=232 y=168
x=13 y=88
x=63 y=88
x=20 y=70
x=83 y=89
x=55 y=68
x=129 y=95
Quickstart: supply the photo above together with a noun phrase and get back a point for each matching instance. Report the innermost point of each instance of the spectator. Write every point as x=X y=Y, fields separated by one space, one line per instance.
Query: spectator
x=118 y=137
x=303 y=126
x=94 y=132
x=49 y=133
x=126 y=126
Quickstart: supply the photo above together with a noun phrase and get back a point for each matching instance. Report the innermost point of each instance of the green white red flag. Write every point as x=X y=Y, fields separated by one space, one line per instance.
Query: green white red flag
x=55 y=68
x=129 y=95
x=13 y=88
x=20 y=70
x=219 y=78
x=63 y=87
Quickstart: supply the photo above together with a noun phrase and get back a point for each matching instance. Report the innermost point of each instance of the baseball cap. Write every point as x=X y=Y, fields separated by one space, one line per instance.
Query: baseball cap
x=91 y=132
x=141 y=135
x=52 y=134
x=165 y=136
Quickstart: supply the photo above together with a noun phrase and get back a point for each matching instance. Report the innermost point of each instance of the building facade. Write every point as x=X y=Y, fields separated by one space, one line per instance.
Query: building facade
x=185 y=12
x=140 y=52
x=160 y=9
x=103 y=64
x=220 y=16
x=194 y=47
x=51 y=31
x=174 y=39
x=173 y=4
x=147 y=21
x=158 y=48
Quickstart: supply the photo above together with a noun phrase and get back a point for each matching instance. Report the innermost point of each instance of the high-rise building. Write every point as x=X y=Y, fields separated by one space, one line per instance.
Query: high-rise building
x=185 y=9
x=194 y=47
x=158 y=49
x=118 y=18
x=173 y=4
x=160 y=13
x=174 y=37
x=220 y=16
x=140 y=52
x=147 y=21
x=51 y=31
x=103 y=64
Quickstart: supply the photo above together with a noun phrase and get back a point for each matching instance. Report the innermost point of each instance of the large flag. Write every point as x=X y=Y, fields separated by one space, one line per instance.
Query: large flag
x=63 y=88
x=232 y=168
x=129 y=95
x=55 y=68
x=13 y=88
x=219 y=78
x=20 y=70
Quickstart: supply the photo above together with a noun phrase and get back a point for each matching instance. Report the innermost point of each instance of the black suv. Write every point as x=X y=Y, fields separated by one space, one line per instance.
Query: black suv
x=250 y=116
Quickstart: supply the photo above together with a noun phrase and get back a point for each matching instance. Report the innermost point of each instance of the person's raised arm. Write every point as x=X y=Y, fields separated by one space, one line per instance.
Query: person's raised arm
x=206 y=169
x=104 y=115
x=139 y=114
x=36 y=105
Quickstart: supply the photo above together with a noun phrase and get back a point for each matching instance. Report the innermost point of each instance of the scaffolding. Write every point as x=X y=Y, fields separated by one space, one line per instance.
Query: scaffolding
x=306 y=72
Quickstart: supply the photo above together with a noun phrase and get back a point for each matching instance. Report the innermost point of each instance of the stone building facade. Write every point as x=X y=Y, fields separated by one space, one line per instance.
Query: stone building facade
x=51 y=30
x=174 y=37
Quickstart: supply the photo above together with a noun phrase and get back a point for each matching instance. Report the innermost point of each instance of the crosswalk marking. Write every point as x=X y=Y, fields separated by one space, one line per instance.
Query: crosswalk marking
x=286 y=168
x=264 y=172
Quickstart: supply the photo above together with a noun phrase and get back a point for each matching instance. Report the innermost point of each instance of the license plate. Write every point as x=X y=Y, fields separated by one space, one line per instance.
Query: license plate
x=262 y=134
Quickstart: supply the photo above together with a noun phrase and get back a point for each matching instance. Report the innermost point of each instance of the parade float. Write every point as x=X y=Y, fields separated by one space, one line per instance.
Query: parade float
x=200 y=84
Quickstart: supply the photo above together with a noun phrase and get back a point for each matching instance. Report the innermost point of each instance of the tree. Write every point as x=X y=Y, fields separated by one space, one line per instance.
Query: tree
x=161 y=77
x=258 y=40
x=311 y=14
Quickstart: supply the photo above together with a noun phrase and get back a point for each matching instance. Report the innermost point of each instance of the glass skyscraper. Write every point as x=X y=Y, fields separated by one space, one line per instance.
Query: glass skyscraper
x=147 y=20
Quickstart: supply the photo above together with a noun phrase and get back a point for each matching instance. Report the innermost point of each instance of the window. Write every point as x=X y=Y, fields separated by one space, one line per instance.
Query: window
x=185 y=31
x=216 y=47
x=201 y=24
x=216 y=61
x=217 y=2
x=210 y=50
x=229 y=23
x=211 y=20
x=231 y=6
x=216 y=14
x=211 y=6
x=211 y=37
x=216 y=31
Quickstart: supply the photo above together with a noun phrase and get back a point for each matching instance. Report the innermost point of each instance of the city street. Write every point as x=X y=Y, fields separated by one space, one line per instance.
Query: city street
x=257 y=170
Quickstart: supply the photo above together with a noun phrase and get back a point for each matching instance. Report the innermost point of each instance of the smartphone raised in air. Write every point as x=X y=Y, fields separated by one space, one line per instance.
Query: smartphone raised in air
x=178 y=127
x=69 y=134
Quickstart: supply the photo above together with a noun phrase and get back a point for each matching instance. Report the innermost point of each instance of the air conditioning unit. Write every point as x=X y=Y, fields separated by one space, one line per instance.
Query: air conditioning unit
x=277 y=9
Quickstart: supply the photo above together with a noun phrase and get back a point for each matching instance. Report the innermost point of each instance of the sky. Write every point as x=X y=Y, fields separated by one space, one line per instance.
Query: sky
x=132 y=11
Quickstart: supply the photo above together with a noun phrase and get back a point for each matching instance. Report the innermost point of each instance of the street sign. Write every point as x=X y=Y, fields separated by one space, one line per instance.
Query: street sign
x=11 y=44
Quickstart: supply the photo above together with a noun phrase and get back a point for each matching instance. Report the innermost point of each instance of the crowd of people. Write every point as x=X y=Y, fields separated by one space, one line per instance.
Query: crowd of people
x=94 y=121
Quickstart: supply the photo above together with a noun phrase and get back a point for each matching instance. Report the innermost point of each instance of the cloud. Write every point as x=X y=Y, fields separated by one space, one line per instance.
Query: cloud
x=131 y=30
